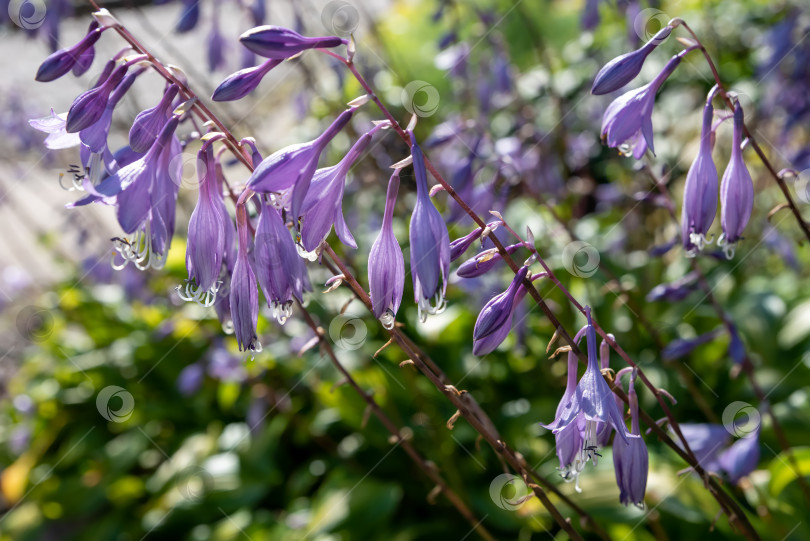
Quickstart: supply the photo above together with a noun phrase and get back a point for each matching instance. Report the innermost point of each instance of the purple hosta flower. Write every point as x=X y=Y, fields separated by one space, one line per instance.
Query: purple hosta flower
x=684 y=346
x=88 y=108
x=205 y=248
x=229 y=256
x=495 y=320
x=189 y=17
x=604 y=431
x=224 y=366
x=674 y=291
x=62 y=61
x=244 y=298
x=736 y=191
x=95 y=135
x=461 y=244
x=386 y=265
x=742 y=457
x=243 y=82
x=190 y=379
x=591 y=403
x=627 y=122
x=149 y=122
x=623 y=69
x=54 y=126
x=84 y=62
x=590 y=15
x=483 y=262
x=281 y=43
x=569 y=441
x=706 y=441
x=280 y=270
x=430 y=244
x=216 y=46
x=293 y=166
x=322 y=207
x=630 y=459
x=700 y=190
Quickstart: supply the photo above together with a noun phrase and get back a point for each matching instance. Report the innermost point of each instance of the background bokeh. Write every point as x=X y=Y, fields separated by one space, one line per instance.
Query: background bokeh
x=128 y=414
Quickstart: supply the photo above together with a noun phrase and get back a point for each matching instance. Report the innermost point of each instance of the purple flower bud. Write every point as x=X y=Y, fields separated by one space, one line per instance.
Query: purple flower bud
x=88 y=108
x=294 y=165
x=244 y=296
x=430 y=244
x=386 y=265
x=322 y=207
x=736 y=191
x=216 y=47
x=630 y=460
x=623 y=69
x=205 y=248
x=684 y=346
x=190 y=379
x=495 y=320
x=279 y=268
x=483 y=262
x=95 y=135
x=243 y=82
x=674 y=291
x=189 y=17
x=61 y=62
x=149 y=122
x=461 y=244
x=700 y=191
x=742 y=457
x=627 y=122
x=84 y=62
x=281 y=43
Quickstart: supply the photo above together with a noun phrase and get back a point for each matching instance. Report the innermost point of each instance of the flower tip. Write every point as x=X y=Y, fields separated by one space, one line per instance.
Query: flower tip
x=104 y=18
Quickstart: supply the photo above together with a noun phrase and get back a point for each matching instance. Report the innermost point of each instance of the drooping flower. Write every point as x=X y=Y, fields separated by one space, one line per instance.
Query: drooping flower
x=604 y=431
x=95 y=135
x=627 y=122
x=700 y=190
x=674 y=291
x=742 y=457
x=483 y=262
x=281 y=43
x=279 y=268
x=63 y=60
x=568 y=441
x=215 y=44
x=430 y=244
x=205 y=248
x=294 y=166
x=322 y=206
x=88 y=108
x=736 y=191
x=244 y=297
x=623 y=69
x=630 y=459
x=591 y=403
x=148 y=123
x=189 y=16
x=495 y=320
x=386 y=265
x=243 y=82
x=706 y=441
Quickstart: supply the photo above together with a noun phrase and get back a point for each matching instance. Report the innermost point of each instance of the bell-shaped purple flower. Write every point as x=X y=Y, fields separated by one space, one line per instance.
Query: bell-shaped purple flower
x=215 y=45
x=189 y=16
x=630 y=459
x=386 y=265
x=244 y=297
x=322 y=206
x=294 y=166
x=95 y=135
x=281 y=43
x=700 y=190
x=279 y=268
x=229 y=255
x=627 y=122
x=741 y=458
x=63 y=60
x=706 y=441
x=243 y=82
x=205 y=248
x=483 y=262
x=568 y=442
x=88 y=108
x=736 y=191
x=623 y=69
x=495 y=320
x=592 y=400
x=148 y=123
x=430 y=244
